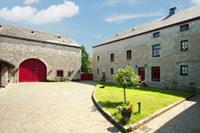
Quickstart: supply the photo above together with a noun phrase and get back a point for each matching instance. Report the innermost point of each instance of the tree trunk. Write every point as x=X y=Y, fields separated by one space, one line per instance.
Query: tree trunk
x=124 y=95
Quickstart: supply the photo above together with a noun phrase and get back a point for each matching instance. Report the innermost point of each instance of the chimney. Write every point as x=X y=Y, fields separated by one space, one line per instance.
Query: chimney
x=172 y=11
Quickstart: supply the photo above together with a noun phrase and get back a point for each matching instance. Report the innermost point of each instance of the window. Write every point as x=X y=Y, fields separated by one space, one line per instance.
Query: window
x=184 y=45
x=156 y=34
x=97 y=58
x=60 y=73
x=111 y=71
x=156 y=50
x=97 y=70
x=155 y=72
x=184 y=27
x=184 y=70
x=112 y=57
x=128 y=54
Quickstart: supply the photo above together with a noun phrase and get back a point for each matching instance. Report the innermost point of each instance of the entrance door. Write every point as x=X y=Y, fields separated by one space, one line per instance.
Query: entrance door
x=141 y=73
x=32 y=70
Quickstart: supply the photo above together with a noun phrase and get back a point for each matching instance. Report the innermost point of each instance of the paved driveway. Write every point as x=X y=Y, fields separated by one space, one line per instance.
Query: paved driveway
x=184 y=118
x=50 y=108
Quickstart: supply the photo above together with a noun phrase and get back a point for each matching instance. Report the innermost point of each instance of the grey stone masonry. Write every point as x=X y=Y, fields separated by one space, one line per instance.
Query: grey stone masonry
x=171 y=58
x=56 y=52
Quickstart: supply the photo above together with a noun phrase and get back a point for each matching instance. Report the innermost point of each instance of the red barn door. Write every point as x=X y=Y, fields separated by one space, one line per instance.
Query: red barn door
x=32 y=70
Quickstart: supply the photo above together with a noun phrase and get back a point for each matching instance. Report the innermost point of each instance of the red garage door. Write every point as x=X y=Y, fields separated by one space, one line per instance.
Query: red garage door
x=32 y=70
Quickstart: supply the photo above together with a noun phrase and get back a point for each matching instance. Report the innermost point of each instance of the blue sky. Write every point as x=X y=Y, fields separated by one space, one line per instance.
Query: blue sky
x=89 y=22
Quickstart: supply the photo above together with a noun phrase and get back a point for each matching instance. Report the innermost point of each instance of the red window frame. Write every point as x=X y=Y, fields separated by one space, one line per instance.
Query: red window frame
x=60 y=73
x=155 y=71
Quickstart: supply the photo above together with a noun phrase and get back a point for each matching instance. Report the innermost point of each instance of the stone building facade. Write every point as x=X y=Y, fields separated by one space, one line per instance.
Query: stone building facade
x=165 y=53
x=28 y=55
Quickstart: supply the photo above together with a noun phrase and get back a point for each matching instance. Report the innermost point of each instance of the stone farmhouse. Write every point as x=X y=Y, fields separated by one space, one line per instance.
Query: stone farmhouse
x=165 y=53
x=28 y=55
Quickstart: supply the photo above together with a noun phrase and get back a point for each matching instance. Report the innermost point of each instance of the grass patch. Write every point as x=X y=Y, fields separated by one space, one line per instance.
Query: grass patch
x=152 y=100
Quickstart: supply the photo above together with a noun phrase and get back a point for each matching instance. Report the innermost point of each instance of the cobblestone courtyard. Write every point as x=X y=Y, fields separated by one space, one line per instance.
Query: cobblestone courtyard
x=50 y=108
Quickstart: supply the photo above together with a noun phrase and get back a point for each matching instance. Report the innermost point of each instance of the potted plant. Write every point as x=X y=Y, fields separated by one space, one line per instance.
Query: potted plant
x=126 y=112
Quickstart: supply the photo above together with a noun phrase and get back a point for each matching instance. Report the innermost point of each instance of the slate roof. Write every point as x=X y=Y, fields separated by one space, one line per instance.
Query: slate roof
x=190 y=13
x=35 y=35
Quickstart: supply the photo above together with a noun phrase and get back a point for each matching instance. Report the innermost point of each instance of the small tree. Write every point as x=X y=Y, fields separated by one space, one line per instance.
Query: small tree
x=85 y=61
x=127 y=78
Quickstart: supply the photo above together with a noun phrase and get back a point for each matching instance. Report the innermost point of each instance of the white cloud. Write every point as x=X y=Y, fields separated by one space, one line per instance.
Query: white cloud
x=56 y=13
x=195 y=1
x=18 y=13
x=123 y=17
x=30 y=2
x=53 y=13
x=113 y=2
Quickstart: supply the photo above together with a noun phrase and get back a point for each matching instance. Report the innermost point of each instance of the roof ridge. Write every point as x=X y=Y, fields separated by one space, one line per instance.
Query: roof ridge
x=170 y=20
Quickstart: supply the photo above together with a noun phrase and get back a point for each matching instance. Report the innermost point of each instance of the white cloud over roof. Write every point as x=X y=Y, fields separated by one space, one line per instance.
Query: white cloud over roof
x=123 y=17
x=54 y=13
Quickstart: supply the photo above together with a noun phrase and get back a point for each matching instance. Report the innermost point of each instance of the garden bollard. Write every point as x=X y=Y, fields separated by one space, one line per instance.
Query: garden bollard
x=139 y=107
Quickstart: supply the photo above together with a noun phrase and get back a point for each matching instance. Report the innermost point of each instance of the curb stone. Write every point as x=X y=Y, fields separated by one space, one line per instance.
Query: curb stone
x=107 y=115
x=129 y=128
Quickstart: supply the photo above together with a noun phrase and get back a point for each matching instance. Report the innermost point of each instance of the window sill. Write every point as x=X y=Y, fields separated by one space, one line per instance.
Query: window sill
x=184 y=75
x=155 y=80
x=155 y=56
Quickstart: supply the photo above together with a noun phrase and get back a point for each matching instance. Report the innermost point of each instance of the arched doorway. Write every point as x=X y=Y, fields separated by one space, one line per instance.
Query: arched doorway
x=32 y=70
x=5 y=69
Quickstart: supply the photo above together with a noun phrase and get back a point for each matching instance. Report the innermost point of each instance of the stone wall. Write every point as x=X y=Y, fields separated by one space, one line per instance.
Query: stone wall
x=55 y=56
x=170 y=60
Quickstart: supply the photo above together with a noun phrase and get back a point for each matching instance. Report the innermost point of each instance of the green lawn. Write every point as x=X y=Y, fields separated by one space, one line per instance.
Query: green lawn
x=152 y=100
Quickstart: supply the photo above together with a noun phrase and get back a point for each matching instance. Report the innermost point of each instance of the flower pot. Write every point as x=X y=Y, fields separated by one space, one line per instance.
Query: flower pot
x=126 y=114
